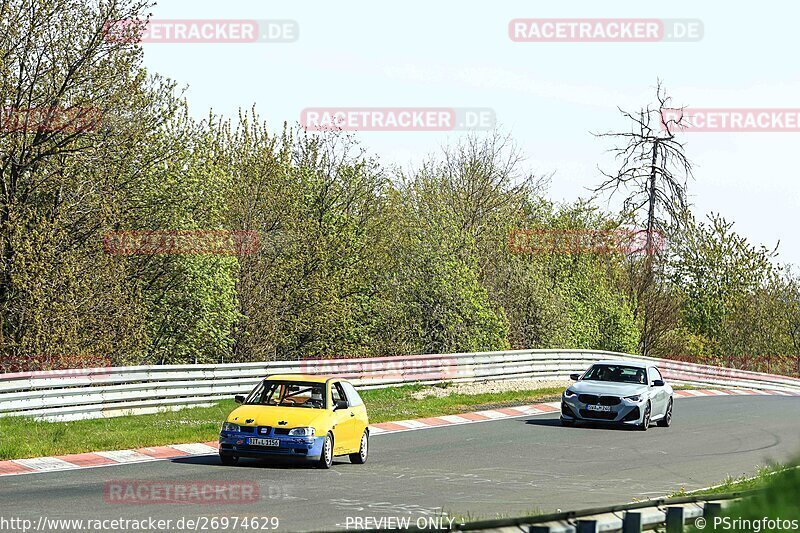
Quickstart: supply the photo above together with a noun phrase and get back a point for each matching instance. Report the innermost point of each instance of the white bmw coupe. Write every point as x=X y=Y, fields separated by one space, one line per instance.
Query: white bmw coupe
x=629 y=393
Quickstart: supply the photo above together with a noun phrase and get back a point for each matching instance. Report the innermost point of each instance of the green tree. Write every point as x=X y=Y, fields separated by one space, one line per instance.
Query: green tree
x=79 y=112
x=720 y=276
x=316 y=201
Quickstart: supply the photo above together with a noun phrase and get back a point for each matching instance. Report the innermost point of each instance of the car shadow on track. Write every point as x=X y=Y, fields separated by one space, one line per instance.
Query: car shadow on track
x=556 y=423
x=277 y=464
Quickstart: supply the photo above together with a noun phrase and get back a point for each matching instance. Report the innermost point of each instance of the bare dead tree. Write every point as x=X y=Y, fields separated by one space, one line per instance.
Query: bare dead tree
x=652 y=175
x=653 y=168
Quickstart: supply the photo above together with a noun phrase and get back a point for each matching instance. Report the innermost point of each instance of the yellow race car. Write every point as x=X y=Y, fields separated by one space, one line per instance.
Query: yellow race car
x=312 y=418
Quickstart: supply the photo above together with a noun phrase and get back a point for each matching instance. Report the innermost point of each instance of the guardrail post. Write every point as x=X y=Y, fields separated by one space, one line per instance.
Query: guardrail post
x=675 y=519
x=712 y=510
x=586 y=526
x=632 y=523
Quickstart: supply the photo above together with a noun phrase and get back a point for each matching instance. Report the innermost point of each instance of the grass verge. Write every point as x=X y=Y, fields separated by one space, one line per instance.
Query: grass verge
x=773 y=508
x=738 y=484
x=23 y=437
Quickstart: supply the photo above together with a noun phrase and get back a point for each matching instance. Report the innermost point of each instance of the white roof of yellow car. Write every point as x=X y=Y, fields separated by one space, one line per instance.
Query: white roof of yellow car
x=309 y=378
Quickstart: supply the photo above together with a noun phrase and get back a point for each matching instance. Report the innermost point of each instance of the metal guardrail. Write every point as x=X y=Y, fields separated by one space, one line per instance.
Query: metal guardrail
x=116 y=391
x=670 y=514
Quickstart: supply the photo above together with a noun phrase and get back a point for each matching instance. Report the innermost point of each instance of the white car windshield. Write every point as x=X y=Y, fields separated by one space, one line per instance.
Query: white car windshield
x=616 y=374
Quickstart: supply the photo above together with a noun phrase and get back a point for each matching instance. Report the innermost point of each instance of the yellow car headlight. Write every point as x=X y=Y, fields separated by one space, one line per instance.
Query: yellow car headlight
x=302 y=432
x=227 y=426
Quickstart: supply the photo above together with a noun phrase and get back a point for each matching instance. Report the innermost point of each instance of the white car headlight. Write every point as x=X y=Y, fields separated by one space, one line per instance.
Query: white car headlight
x=227 y=426
x=634 y=398
x=569 y=393
x=301 y=432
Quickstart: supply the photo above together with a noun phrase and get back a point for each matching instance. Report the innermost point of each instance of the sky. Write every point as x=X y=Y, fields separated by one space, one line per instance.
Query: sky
x=549 y=96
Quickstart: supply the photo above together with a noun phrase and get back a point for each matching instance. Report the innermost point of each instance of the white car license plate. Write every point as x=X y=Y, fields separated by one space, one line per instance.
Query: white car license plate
x=602 y=408
x=264 y=442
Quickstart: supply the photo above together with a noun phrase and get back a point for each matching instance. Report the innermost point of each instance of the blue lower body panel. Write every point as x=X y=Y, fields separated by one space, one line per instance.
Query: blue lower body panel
x=238 y=444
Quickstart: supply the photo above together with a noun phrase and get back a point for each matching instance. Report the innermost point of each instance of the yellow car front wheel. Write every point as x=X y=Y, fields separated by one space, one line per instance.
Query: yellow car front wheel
x=326 y=457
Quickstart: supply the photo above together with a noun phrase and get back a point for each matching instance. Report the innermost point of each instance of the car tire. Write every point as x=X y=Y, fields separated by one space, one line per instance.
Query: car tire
x=646 y=419
x=229 y=460
x=326 y=455
x=363 y=451
x=667 y=420
x=567 y=423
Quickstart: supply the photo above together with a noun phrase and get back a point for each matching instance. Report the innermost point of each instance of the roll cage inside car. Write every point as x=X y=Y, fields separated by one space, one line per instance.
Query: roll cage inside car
x=289 y=394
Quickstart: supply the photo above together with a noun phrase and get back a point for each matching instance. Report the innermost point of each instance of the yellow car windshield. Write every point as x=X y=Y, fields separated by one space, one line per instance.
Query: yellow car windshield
x=289 y=394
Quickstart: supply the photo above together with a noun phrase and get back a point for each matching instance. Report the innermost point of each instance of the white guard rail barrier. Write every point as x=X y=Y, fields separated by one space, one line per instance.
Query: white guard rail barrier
x=116 y=391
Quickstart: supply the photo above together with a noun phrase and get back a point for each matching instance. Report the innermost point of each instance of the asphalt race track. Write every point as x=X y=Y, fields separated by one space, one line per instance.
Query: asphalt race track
x=505 y=467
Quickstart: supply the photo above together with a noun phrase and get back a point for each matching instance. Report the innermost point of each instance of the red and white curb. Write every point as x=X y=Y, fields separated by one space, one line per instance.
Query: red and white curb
x=100 y=459
x=175 y=451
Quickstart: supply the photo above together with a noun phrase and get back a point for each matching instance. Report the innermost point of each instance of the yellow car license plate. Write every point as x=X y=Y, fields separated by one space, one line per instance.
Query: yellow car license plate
x=264 y=442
